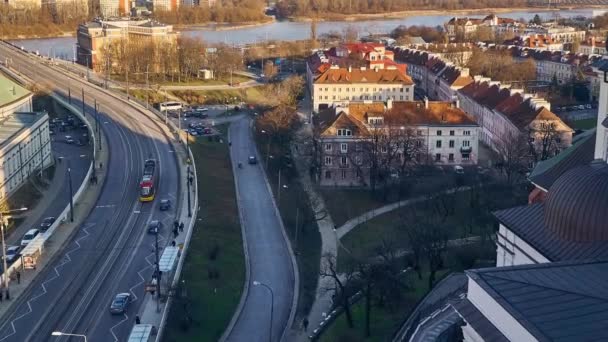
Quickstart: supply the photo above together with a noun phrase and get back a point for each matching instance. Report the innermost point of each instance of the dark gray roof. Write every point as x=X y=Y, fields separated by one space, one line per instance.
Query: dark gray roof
x=553 y=301
x=478 y=321
x=576 y=208
x=580 y=153
x=528 y=223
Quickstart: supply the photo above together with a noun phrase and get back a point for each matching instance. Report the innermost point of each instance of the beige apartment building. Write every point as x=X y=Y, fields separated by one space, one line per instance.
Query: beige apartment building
x=397 y=134
x=94 y=35
x=340 y=86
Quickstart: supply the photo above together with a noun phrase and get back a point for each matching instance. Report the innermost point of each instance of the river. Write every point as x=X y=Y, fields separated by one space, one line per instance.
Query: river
x=63 y=47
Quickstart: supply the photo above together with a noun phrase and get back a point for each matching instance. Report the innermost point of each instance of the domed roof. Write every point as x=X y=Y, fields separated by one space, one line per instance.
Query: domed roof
x=577 y=205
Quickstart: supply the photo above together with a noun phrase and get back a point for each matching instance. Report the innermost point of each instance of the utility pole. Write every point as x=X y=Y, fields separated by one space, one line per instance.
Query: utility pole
x=97 y=129
x=147 y=88
x=157 y=270
x=83 y=112
x=70 y=194
x=188 y=182
x=69 y=94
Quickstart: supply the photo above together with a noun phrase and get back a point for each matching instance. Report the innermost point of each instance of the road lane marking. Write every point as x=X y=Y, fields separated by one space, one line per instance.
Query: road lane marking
x=136 y=212
x=106 y=206
x=117 y=324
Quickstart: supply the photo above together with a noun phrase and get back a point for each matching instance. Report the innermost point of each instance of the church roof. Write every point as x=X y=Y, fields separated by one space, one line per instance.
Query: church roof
x=564 y=301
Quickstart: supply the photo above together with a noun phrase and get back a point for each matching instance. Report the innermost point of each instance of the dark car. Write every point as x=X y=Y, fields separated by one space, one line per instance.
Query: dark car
x=12 y=253
x=154 y=227
x=47 y=223
x=165 y=204
x=253 y=160
x=120 y=303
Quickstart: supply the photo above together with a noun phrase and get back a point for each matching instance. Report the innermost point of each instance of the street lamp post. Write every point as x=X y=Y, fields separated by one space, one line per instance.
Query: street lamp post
x=257 y=283
x=267 y=147
x=188 y=184
x=70 y=186
x=5 y=264
x=59 y=333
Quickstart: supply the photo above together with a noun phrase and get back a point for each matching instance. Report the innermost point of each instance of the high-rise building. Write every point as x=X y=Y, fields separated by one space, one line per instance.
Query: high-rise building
x=114 y=8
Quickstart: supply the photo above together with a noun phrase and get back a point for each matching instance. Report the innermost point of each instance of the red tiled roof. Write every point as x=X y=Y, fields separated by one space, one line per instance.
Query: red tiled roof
x=344 y=76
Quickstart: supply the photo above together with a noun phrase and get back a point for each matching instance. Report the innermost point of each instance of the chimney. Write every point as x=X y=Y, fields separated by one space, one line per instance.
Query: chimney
x=389 y=104
x=350 y=68
x=464 y=72
x=426 y=102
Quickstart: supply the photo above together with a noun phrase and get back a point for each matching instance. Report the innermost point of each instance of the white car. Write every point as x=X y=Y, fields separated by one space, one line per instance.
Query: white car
x=29 y=236
x=12 y=253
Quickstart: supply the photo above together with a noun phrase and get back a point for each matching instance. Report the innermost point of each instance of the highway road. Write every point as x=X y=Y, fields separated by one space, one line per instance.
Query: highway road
x=269 y=258
x=111 y=252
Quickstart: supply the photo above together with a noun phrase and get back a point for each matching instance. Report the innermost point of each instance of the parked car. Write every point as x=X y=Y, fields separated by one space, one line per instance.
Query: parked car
x=458 y=170
x=12 y=253
x=253 y=160
x=120 y=304
x=588 y=106
x=154 y=227
x=207 y=130
x=165 y=204
x=69 y=139
x=47 y=223
x=29 y=236
x=581 y=107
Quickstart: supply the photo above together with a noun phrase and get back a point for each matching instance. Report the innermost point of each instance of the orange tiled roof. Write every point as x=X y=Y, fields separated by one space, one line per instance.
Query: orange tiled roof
x=382 y=76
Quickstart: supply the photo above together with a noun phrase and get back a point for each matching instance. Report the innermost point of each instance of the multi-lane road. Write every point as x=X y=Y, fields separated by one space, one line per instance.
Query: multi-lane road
x=111 y=252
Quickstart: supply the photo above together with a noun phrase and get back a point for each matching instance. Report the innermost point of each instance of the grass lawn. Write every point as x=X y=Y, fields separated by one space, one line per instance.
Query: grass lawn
x=199 y=82
x=216 y=247
x=585 y=123
x=254 y=95
x=383 y=321
x=364 y=240
x=344 y=204
x=294 y=207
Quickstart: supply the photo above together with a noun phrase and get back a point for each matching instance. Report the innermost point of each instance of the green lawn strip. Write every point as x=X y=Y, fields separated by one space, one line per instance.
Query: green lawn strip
x=216 y=248
x=364 y=240
x=348 y=203
x=294 y=202
x=383 y=320
x=253 y=95
x=585 y=123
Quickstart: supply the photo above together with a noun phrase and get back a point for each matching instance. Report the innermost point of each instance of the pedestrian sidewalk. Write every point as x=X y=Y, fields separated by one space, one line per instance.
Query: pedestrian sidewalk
x=354 y=222
x=329 y=247
x=61 y=236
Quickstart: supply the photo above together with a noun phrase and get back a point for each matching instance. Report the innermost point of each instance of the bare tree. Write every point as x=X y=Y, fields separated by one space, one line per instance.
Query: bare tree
x=544 y=140
x=514 y=151
x=342 y=288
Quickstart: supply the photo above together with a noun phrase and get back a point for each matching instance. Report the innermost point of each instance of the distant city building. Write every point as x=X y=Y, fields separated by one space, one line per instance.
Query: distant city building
x=469 y=26
x=356 y=73
x=592 y=46
x=165 y=5
x=25 y=146
x=114 y=8
x=434 y=133
x=94 y=35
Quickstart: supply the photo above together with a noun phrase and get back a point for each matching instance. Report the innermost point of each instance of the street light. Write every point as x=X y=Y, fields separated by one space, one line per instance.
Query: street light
x=5 y=265
x=257 y=283
x=267 y=148
x=59 y=333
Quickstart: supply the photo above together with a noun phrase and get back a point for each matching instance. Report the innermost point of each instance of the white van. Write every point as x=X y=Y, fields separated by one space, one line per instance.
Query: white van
x=29 y=236
x=163 y=106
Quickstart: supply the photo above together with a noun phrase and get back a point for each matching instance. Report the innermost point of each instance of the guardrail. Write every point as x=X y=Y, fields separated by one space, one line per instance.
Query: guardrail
x=64 y=214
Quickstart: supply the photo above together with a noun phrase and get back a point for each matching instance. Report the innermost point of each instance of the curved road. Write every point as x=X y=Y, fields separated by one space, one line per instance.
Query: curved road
x=269 y=256
x=111 y=252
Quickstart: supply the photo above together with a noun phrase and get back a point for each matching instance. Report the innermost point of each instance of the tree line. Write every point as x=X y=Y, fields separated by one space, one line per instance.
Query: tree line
x=41 y=21
x=225 y=11
x=324 y=8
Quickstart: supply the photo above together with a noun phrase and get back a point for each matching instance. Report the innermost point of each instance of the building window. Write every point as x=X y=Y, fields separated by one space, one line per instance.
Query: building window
x=451 y=157
x=467 y=132
x=328 y=147
x=320 y=97
x=327 y=174
x=419 y=132
x=358 y=160
x=438 y=132
x=343 y=148
x=466 y=143
x=451 y=143
x=383 y=149
x=358 y=147
x=438 y=144
x=465 y=156
x=342 y=132
x=407 y=90
x=401 y=97
x=328 y=161
x=401 y=90
x=438 y=157
x=343 y=174
x=451 y=132
x=418 y=143
x=343 y=161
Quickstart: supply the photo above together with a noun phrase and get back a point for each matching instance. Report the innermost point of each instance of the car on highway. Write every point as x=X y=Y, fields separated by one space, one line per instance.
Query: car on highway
x=12 y=253
x=207 y=130
x=29 y=236
x=165 y=204
x=253 y=160
x=154 y=227
x=120 y=304
x=69 y=139
x=47 y=223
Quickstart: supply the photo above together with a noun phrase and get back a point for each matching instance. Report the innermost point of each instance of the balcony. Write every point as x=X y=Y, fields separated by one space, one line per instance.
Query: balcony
x=467 y=149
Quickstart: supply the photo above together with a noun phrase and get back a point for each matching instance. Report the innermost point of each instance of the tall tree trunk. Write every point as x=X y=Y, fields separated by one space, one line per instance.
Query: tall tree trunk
x=349 y=315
